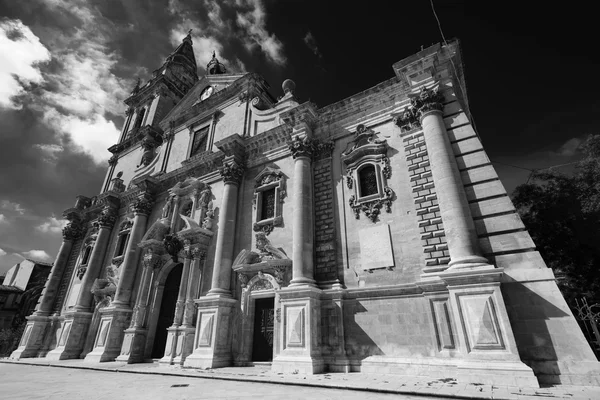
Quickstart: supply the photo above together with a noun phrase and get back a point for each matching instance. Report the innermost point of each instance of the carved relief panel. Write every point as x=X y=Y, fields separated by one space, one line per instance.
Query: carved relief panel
x=367 y=171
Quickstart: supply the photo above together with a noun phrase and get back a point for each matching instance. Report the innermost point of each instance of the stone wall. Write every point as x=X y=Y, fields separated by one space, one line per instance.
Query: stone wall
x=326 y=266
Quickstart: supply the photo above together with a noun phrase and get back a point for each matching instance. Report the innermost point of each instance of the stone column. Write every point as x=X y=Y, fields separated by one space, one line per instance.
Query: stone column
x=106 y=221
x=183 y=344
x=302 y=233
x=454 y=207
x=134 y=342
x=71 y=232
x=115 y=318
x=142 y=208
x=198 y=257
x=183 y=284
x=77 y=322
x=212 y=341
x=33 y=337
x=232 y=173
x=175 y=218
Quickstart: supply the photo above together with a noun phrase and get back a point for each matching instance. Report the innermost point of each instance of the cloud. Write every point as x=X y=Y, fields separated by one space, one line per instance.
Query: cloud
x=570 y=147
x=50 y=151
x=2 y=253
x=21 y=54
x=3 y=219
x=37 y=255
x=254 y=21
x=52 y=225
x=226 y=27
x=92 y=136
x=9 y=205
x=311 y=43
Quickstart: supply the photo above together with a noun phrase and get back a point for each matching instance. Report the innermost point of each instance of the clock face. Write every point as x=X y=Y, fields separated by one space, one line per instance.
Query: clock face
x=206 y=92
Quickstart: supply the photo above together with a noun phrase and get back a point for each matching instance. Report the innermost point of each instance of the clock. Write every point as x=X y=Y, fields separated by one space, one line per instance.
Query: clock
x=206 y=93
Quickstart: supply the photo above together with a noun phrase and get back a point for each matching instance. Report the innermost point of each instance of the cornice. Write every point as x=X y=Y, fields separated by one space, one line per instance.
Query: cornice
x=147 y=131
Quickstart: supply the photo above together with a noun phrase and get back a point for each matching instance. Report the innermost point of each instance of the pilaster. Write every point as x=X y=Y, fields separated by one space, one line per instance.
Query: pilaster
x=299 y=350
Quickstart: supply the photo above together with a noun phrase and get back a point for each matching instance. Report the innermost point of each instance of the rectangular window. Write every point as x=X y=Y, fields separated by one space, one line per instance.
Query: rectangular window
x=121 y=243
x=199 y=142
x=267 y=209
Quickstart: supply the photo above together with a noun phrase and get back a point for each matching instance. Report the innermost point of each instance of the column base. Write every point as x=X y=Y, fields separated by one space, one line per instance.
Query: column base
x=109 y=338
x=134 y=343
x=302 y=282
x=212 y=341
x=33 y=337
x=298 y=365
x=185 y=344
x=72 y=336
x=171 y=346
x=299 y=338
x=469 y=262
x=486 y=345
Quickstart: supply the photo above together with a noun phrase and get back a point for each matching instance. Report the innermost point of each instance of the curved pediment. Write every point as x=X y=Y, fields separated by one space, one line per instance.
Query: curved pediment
x=365 y=144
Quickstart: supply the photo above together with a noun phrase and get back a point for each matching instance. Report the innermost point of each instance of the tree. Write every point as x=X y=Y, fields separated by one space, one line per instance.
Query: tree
x=562 y=214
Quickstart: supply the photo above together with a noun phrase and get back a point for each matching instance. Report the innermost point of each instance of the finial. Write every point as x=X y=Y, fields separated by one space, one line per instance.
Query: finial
x=288 y=86
x=214 y=55
x=137 y=86
x=190 y=32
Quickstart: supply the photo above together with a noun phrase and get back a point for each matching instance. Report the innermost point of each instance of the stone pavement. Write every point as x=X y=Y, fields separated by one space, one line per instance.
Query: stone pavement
x=391 y=384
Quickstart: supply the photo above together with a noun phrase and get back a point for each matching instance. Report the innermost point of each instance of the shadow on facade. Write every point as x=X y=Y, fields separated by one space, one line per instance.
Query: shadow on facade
x=359 y=344
x=529 y=315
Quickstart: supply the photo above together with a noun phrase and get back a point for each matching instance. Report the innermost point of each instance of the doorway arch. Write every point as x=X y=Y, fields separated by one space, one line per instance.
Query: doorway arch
x=165 y=300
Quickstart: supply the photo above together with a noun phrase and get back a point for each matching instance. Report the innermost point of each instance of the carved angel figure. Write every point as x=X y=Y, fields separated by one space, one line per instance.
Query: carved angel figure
x=167 y=207
x=210 y=215
x=105 y=289
x=268 y=251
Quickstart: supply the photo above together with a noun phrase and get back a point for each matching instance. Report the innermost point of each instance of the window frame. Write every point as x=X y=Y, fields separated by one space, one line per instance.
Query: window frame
x=193 y=132
x=267 y=180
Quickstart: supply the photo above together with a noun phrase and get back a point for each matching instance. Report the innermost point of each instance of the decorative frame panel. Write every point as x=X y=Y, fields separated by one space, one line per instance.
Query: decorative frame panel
x=267 y=179
x=364 y=151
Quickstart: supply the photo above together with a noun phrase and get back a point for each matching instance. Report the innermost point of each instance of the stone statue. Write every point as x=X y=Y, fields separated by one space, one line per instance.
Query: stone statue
x=167 y=207
x=210 y=215
x=205 y=197
x=105 y=289
x=268 y=251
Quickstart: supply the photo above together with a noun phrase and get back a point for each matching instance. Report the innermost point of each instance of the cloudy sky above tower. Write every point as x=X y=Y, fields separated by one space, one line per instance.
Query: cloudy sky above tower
x=67 y=65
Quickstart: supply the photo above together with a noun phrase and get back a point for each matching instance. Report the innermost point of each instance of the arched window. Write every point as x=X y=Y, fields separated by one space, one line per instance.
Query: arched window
x=367 y=178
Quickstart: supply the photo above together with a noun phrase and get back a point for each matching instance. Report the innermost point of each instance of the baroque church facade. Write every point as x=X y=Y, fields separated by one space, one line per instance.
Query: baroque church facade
x=369 y=235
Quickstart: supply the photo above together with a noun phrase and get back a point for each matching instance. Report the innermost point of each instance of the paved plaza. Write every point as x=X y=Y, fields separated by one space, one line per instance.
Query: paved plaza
x=39 y=382
x=77 y=379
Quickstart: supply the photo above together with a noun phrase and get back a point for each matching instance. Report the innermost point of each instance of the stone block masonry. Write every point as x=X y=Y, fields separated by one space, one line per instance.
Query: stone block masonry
x=66 y=279
x=325 y=246
x=431 y=226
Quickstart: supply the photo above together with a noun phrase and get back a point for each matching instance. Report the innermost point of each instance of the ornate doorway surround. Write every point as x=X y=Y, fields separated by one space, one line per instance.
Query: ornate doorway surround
x=260 y=275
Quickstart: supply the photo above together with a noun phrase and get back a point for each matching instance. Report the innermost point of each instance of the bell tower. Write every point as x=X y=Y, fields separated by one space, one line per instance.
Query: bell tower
x=150 y=102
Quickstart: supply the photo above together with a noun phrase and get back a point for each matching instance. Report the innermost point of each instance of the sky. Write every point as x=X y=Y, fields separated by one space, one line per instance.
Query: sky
x=67 y=66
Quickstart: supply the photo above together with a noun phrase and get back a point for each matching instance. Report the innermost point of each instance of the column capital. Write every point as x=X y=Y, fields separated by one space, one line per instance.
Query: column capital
x=152 y=260
x=232 y=172
x=198 y=254
x=143 y=204
x=302 y=147
x=73 y=230
x=428 y=100
x=107 y=217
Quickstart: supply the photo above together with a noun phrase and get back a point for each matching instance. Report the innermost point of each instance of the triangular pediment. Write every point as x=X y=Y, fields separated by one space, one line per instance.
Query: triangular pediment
x=221 y=83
